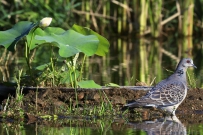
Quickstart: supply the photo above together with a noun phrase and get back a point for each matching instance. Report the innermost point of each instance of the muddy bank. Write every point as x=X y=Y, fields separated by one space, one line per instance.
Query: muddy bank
x=55 y=97
x=56 y=101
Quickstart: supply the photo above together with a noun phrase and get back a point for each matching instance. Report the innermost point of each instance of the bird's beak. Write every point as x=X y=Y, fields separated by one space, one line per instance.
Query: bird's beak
x=194 y=66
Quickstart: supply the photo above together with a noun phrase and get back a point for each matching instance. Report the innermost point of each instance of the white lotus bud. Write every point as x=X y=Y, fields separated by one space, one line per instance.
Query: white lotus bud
x=45 y=22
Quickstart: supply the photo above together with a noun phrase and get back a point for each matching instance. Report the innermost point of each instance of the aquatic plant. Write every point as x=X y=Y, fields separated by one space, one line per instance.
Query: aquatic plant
x=13 y=106
x=70 y=44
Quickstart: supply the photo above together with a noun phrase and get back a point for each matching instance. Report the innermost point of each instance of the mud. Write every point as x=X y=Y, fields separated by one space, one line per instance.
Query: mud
x=52 y=100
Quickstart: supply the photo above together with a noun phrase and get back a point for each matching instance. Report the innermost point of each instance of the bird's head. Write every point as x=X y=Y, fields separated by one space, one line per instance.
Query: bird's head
x=187 y=62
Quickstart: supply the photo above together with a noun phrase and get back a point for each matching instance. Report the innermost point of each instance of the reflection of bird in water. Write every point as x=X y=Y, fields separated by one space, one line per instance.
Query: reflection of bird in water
x=169 y=93
x=163 y=126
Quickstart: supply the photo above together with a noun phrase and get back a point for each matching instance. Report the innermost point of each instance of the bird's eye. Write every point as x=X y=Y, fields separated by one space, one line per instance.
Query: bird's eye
x=188 y=61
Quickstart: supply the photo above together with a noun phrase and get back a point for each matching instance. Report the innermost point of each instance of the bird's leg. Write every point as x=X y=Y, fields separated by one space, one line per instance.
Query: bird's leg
x=173 y=112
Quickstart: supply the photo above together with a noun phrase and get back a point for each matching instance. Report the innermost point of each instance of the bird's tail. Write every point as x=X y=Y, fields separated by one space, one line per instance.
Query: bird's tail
x=134 y=104
x=137 y=104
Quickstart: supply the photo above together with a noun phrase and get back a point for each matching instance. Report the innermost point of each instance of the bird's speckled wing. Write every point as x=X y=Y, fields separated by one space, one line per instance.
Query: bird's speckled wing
x=163 y=94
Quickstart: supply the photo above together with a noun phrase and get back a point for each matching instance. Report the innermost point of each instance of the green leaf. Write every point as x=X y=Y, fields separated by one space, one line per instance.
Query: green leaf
x=10 y=37
x=112 y=85
x=32 y=42
x=71 y=42
x=103 y=47
x=46 y=117
x=42 y=67
x=66 y=78
x=88 y=84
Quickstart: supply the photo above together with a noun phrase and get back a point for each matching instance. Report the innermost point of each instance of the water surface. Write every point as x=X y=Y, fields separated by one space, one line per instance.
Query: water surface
x=129 y=61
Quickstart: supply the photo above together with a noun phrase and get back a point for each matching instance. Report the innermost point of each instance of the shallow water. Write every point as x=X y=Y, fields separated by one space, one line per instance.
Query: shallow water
x=160 y=126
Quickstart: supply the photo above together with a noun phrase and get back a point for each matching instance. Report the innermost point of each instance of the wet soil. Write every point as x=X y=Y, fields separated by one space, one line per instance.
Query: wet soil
x=54 y=97
x=55 y=101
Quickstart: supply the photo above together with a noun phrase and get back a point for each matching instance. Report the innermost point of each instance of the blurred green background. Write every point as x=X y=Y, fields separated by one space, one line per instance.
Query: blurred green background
x=148 y=37
x=104 y=16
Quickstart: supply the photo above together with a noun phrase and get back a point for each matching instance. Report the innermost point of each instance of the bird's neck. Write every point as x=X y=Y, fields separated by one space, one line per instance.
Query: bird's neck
x=181 y=71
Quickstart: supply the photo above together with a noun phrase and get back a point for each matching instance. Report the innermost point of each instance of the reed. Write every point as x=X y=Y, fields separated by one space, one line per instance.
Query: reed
x=187 y=25
x=144 y=4
x=143 y=61
x=187 y=45
x=124 y=16
x=155 y=9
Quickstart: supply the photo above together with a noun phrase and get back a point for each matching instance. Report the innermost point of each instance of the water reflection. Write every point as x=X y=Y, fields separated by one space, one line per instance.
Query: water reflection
x=131 y=60
x=162 y=126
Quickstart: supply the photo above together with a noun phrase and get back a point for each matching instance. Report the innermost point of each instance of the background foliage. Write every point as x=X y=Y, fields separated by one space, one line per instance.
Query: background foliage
x=122 y=22
x=116 y=16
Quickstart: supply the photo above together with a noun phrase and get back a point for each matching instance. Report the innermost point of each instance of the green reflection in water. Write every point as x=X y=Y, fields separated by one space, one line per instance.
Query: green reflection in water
x=78 y=128
x=83 y=127
x=196 y=129
x=149 y=61
x=128 y=61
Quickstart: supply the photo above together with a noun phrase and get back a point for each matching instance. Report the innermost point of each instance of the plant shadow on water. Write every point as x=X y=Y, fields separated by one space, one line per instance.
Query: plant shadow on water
x=74 y=126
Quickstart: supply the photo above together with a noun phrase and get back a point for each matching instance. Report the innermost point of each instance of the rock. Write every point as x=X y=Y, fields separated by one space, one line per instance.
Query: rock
x=31 y=118
x=96 y=97
x=119 y=100
x=141 y=84
x=81 y=96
